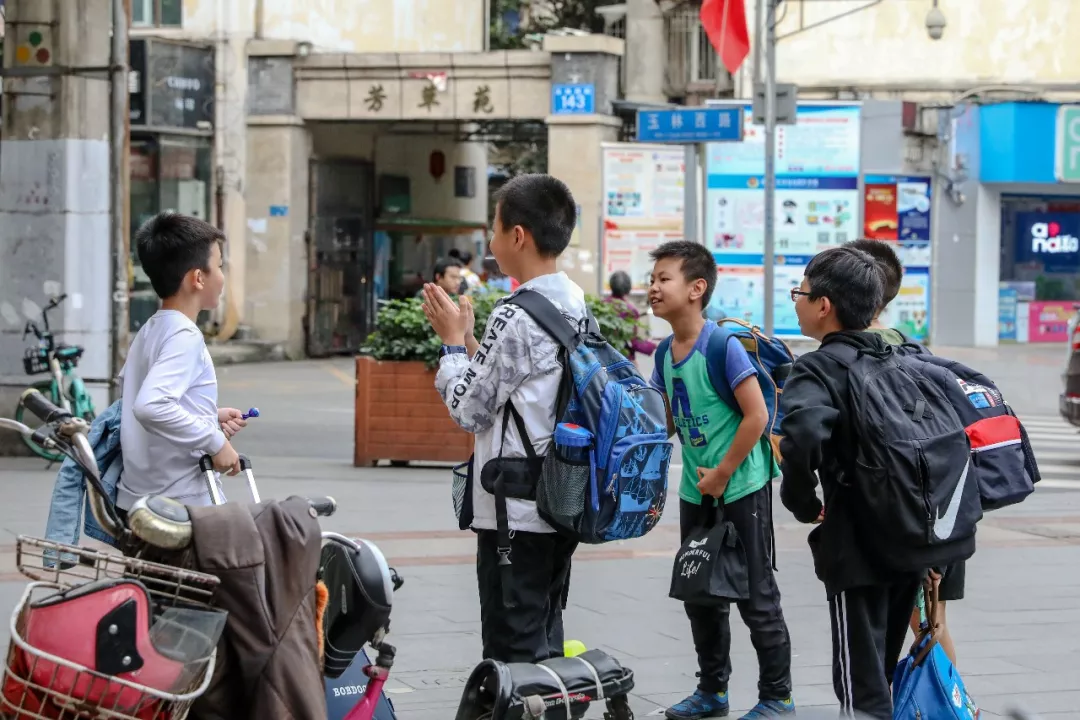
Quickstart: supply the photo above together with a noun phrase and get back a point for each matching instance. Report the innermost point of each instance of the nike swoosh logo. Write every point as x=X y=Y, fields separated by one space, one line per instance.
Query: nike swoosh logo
x=943 y=528
x=698 y=543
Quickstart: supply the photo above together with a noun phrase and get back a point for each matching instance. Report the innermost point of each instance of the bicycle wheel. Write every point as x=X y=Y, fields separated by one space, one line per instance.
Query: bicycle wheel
x=48 y=389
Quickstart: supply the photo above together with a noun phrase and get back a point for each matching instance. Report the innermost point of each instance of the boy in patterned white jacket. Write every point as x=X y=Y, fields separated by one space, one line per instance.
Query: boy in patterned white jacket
x=514 y=370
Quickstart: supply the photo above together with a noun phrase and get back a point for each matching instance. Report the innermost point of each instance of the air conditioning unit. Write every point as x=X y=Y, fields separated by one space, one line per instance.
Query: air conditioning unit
x=918 y=120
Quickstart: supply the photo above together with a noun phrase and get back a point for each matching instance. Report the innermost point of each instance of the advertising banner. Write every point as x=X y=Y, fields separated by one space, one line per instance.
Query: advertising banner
x=1007 y=301
x=817 y=206
x=896 y=208
x=642 y=206
x=909 y=312
x=1048 y=321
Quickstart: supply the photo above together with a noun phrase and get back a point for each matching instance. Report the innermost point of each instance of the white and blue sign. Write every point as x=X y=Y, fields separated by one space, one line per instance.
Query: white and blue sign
x=1052 y=239
x=690 y=125
x=1007 y=309
x=573 y=99
x=817 y=204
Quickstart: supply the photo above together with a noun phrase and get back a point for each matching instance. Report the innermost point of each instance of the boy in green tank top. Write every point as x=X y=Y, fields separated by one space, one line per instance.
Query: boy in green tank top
x=951 y=582
x=723 y=455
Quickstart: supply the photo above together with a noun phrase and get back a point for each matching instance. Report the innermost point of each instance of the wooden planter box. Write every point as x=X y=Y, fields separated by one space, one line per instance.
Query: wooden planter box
x=401 y=418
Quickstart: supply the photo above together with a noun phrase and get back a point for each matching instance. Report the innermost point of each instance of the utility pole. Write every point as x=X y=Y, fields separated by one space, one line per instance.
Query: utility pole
x=769 y=260
x=119 y=135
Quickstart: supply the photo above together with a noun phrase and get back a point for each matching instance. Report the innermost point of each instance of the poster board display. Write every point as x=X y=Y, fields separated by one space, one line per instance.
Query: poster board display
x=896 y=209
x=643 y=199
x=817 y=205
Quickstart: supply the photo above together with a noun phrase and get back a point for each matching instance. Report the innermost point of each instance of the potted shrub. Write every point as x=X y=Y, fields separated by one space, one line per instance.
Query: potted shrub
x=399 y=414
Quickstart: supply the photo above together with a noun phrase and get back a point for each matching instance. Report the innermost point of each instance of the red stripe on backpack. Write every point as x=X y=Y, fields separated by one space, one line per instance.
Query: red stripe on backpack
x=994 y=432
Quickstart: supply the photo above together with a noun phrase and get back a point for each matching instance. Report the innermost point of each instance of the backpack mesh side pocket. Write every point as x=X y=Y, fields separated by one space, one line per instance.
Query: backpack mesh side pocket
x=461 y=491
x=562 y=493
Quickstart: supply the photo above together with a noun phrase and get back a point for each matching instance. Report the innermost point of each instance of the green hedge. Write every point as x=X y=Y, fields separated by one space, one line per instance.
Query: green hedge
x=403 y=333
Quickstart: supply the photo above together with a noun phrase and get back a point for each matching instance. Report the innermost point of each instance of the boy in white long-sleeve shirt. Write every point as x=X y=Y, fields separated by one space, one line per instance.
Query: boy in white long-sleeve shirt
x=170 y=416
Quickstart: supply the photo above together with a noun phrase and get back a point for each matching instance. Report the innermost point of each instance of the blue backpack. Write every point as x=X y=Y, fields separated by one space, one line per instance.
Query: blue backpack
x=771 y=357
x=605 y=475
x=926 y=684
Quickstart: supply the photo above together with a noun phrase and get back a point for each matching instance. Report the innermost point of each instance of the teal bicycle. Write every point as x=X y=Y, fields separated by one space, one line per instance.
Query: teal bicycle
x=65 y=388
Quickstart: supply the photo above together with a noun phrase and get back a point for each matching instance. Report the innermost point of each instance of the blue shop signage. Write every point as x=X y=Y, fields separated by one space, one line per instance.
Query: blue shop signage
x=1052 y=239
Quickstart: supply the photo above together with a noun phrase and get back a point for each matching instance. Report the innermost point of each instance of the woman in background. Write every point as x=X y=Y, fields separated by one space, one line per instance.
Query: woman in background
x=620 y=287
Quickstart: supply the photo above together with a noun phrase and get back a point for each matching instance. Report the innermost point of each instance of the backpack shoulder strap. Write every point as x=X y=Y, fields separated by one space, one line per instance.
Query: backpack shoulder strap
x=547 y=316
x=716 y=363
x=662 y=351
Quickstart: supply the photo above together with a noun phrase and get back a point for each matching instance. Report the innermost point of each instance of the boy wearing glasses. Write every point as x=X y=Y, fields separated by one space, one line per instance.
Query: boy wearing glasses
x=840 y=295
x=952 y=579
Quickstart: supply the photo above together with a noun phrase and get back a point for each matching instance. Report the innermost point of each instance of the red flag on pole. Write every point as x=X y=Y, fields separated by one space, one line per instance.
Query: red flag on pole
x=725 y=24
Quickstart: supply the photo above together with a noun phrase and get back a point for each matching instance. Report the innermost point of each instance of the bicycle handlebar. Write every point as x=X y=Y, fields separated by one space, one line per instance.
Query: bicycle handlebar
x=43 y=408
x=68 y=434
x=323 y=507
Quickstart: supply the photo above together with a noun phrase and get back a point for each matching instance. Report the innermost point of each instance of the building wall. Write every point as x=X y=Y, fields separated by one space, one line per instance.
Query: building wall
x=985 y=42
x=351 y=25
x=408 y=155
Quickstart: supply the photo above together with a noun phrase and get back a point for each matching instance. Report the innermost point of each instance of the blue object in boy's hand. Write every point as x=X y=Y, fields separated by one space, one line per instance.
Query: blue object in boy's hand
x=251 y=413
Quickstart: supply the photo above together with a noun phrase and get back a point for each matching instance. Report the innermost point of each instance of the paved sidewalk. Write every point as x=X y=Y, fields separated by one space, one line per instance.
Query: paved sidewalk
x=1016 y=631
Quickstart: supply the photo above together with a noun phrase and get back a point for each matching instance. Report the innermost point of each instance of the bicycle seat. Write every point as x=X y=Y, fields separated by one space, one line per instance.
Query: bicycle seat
x=69 y=352
x=161 y=522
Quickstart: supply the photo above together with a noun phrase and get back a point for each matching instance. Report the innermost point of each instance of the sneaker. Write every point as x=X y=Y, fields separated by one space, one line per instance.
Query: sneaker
x=699 y=705
x=770 y=709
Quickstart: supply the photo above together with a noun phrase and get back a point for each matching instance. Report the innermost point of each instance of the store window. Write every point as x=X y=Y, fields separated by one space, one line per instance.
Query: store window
x=167 y=173
x=157 y=13
x=1040 y=267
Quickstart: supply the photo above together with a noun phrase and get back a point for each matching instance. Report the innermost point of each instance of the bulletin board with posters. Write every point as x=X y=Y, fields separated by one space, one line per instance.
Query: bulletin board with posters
x=817 y=206
x=643 y=198
x=896 y=209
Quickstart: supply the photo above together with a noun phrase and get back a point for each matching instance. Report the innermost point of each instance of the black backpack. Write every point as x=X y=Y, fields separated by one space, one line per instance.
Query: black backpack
x=1004 y=461
x=912 y=469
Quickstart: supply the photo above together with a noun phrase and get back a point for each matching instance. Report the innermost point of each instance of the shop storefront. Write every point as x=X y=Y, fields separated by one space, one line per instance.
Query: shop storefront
x=172 y=129
x=1040 y=267
x=1009 y=225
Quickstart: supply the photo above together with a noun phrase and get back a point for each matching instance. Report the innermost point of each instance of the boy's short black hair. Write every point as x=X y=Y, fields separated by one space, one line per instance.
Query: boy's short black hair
x=541 y=204
x=444 y=264
x=852 y=281
x=170 y=245
x=697 y=263
x=892 y=270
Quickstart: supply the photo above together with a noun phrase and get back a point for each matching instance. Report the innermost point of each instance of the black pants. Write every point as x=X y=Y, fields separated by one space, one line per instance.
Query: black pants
x=869 y=627
x=710 y=626
x=532 y=629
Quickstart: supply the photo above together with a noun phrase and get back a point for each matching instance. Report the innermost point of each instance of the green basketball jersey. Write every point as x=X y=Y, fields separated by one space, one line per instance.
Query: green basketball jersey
x=706 y=424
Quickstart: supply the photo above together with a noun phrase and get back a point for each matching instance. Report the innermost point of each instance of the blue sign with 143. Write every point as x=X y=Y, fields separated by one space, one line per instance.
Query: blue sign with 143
x=574 y=99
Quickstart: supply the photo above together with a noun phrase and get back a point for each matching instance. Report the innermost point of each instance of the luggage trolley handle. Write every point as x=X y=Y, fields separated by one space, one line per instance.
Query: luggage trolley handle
x=206 y=464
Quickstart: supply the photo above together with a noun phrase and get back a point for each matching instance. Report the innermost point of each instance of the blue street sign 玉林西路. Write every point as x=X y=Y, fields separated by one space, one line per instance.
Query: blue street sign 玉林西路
x=690 y=125
x=573 y=99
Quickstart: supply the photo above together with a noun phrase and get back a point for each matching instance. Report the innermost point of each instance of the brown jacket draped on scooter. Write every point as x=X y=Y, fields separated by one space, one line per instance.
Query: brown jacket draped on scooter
x=267 y=557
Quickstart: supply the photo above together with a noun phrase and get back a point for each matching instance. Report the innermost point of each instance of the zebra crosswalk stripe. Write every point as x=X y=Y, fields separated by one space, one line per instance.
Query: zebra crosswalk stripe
x=1057 y=450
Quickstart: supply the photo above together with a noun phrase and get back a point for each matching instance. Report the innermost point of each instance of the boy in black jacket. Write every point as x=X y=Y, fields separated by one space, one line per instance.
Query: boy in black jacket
x=869 y=604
